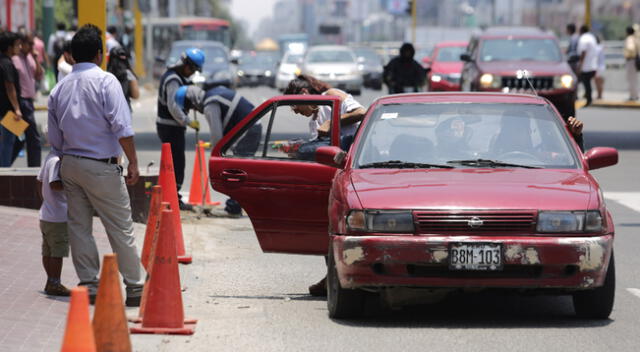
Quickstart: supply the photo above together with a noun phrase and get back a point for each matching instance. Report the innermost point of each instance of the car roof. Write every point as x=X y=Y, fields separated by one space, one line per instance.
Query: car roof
x=514 y=32
x=461 y=97
x=448 y=44
x=329 y=47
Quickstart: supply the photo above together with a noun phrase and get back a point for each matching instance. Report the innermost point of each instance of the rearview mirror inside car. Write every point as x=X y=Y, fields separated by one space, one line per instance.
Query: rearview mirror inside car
x=331 y=156
x=600 y=157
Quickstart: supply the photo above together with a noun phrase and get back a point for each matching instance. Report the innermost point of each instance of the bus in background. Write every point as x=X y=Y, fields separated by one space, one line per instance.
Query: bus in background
x=161 y=32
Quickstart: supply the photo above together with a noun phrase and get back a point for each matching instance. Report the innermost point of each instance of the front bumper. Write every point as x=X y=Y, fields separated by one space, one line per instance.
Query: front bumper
x=533 y=262
x=346 y=83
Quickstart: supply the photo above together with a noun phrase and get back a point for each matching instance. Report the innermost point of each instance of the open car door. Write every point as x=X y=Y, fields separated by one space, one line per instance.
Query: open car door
x=267 y=164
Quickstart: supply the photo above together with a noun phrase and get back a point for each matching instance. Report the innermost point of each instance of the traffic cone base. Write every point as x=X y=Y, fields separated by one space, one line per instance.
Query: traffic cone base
x=185 y=259
x=187 y=329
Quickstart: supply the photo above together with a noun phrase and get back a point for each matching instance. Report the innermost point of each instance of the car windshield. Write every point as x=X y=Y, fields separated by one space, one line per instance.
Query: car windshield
x=465 y=135
x=265 y=60
x=293 y=59
x=520 y=50
x=328 y=56
x=450 y=53
x=368 y=55
x=213 y=54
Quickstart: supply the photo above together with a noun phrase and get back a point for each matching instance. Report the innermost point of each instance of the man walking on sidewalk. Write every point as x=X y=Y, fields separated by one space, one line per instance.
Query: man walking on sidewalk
x=29 y=71
x=90 y=126
x=588 y=64
x=630 y=54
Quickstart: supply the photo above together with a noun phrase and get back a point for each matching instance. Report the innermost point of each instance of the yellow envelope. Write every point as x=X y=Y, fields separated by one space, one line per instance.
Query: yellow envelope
x=16 y=127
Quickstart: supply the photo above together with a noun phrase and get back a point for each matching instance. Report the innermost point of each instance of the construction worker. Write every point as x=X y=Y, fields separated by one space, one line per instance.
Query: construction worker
x=172 y=120
x=223 y=109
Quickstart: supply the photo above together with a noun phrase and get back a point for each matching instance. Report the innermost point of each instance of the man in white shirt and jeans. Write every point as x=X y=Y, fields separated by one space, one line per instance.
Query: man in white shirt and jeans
x=588 y=64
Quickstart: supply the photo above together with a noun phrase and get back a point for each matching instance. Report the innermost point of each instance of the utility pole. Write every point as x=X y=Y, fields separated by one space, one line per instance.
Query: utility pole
x=138 y=40
x=587 y=13
x=94 y=12
x=414 y=20
x=47 y=20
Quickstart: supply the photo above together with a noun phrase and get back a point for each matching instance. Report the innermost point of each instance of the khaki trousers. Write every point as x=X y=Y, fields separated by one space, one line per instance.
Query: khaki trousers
x=93 y=185
x=632 y=78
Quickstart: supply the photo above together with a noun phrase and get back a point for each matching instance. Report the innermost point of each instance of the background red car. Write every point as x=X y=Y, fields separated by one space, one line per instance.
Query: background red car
x=445 y=66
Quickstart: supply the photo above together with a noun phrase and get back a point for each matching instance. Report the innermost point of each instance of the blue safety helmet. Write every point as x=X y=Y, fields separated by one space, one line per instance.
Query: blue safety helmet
x=180 y=96
x=194 y=57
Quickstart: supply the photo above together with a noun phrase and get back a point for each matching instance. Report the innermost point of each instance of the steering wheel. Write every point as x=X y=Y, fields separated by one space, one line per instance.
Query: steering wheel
x=517 y=155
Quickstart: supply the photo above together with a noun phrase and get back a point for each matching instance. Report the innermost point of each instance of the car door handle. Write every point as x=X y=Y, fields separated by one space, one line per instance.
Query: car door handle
x=234 y=175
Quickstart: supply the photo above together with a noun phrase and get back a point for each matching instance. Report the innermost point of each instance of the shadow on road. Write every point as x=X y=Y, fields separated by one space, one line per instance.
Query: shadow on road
x=285 y=297
x=479 y=311
x=623 y=140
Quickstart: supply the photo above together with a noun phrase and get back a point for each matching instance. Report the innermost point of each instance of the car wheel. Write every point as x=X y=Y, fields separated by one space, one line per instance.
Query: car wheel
x=341 y=303
x=597 y=303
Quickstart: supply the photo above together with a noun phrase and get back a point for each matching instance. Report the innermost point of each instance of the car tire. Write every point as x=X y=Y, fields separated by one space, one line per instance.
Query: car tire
x=341 y=303
x=597 y=303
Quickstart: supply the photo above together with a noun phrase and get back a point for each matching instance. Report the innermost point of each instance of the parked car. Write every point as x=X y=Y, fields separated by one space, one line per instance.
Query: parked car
x=371 y=66
x=217 y=66
x=258 y=68
x=423 y=56
x=439 y=191
x=445 y=67
x=288 y=69
x=336 y=65
x=521 y=60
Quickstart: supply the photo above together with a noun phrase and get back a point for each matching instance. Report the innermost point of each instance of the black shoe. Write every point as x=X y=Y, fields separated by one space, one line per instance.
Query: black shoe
x=184 y=206
x=133 y=301
x=56 y=289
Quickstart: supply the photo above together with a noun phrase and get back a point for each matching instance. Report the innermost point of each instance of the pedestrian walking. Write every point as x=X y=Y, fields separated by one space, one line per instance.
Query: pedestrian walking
x=223 y=109
x=351 y=113
x=55 y=45
x=172 y=120
x=602 y=67
x=572 y=49
x=9 y=93
x=588 y=63
x=53 y=224
x=120 y=67
x=631 y=53
x=29 y=72
x=89 y=128
x=403 y=74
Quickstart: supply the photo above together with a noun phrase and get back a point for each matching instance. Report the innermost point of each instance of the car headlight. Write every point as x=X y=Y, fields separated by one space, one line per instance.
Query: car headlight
x=267 y=73
x=361 y=67
x=394 y=221
x=488 y=80
x=222 y=75
x=569 y=221
x=564 y=81
x=240 y=73
x=436 y=78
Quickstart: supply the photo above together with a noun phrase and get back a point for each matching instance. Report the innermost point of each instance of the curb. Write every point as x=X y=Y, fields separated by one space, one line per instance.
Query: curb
x=610 y=104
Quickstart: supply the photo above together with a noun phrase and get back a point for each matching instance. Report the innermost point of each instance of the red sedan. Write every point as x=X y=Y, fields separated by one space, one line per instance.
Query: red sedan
x=446 y=67
x=439 y=191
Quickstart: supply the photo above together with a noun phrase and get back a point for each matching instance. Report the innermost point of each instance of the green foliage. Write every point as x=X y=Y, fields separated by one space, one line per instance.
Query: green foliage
x=63 y=12
x=613 y=27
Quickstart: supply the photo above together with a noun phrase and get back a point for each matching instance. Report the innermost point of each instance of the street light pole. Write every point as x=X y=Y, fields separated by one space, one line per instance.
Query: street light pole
x=414 y=20
x=587 y=13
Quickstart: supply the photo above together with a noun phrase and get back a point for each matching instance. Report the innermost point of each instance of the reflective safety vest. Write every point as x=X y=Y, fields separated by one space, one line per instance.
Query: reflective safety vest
x=233 y=107
x=164 y=116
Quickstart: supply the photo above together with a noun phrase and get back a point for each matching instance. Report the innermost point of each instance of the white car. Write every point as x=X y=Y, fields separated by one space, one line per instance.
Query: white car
x=336 y=65
x=288 y=69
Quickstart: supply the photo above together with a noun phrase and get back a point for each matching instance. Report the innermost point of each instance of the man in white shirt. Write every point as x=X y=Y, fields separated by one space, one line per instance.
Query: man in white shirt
x=588 y=64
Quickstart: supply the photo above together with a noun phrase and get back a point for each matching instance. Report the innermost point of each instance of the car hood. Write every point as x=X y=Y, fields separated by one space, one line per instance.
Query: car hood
x=535 y=68
x=472 y=189
x=328 y=68
x=446 y=67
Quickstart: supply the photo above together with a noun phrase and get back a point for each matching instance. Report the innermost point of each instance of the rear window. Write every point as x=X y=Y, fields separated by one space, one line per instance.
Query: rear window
x=322 y=56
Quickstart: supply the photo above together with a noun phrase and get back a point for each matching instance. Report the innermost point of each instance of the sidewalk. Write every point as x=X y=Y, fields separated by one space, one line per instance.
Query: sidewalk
x=612 y=100
x=29 y=319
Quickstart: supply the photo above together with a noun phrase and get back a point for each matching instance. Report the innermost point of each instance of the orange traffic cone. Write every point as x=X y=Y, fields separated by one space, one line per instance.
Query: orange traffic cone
x=163 y=311
x=152 y=251
x=167 y=180
x=153 y=222
x=78 y=336
x=199 y=193
x=109 y=320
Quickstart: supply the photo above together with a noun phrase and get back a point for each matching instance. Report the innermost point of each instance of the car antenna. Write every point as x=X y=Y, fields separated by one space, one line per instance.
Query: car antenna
x=520 y=74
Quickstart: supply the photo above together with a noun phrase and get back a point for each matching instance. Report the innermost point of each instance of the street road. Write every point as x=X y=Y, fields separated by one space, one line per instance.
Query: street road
x=246 y=300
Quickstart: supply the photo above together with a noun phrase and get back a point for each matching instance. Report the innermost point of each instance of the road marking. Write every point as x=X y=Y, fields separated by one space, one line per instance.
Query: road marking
x=634 y=291
x=628 y=199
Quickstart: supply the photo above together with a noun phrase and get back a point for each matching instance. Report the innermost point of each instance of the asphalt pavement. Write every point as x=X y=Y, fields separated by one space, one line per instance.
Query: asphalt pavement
x=247 y=300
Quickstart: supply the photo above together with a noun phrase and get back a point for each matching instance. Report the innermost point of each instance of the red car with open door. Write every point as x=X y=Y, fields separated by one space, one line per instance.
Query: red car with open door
x=439 y=191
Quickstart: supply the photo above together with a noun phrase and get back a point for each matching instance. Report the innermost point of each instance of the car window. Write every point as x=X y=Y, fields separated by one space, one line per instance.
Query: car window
x=279 y=133
x=322 y=56
x=450 y=53
x=520 y=50
x=438 y=133
x=293 y=59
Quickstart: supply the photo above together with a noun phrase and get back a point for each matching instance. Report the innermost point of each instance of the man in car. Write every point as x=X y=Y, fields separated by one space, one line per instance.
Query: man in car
x=403 y=74
x=223 y=109
x=172 y=120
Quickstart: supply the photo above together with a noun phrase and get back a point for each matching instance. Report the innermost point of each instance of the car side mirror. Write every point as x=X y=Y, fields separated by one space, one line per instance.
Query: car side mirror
x=465 y=57
x=331 y=156
x=600 y=157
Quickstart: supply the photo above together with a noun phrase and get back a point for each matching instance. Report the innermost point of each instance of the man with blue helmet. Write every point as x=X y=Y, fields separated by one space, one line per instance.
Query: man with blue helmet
x=223 y=109
x=171 y=121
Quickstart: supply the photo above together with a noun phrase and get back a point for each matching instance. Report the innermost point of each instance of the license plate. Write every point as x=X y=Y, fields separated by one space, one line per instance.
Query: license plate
x=476 y=256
